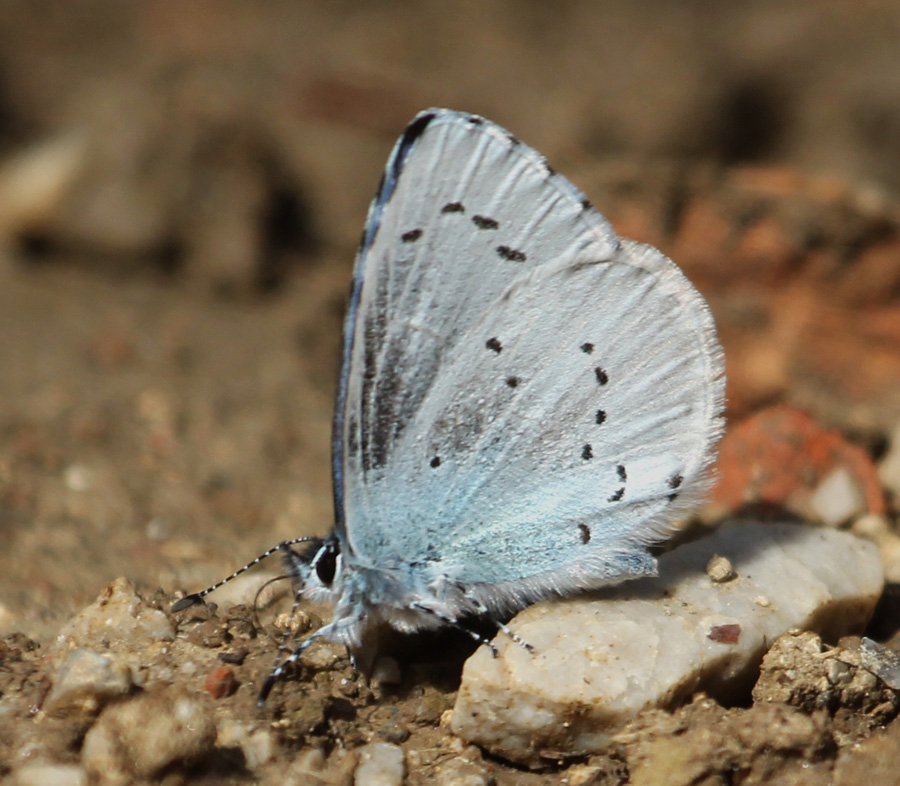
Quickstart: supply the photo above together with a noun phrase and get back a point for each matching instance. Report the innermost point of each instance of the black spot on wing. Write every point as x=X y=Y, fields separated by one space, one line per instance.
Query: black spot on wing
x=620 y=471
x=586 y=204
x=494 y=345
x=435 y=462
x=675 y=482
x=602 y=377
x=587 y=347
x=585 y=532
x=512 y=382
x=483 y=222
x=512 y=254
x=587 y=452
x=412 y=236
x=453 y=207
x=600 y=417
x=514 y=140
x=475 y=120
x=618 y=495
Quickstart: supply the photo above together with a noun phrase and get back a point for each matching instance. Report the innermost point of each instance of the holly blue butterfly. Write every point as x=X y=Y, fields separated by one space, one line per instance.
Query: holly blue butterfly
x=526 y=400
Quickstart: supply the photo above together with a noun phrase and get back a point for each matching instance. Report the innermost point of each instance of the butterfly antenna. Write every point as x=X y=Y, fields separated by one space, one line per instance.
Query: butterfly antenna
x=189 y=600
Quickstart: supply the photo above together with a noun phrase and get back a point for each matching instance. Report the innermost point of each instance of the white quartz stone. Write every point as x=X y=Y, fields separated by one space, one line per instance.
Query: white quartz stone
x=380 y=764
x=601 y=658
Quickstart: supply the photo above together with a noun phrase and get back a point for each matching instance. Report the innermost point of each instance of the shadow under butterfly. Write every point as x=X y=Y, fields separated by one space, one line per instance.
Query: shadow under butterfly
x=526 y=400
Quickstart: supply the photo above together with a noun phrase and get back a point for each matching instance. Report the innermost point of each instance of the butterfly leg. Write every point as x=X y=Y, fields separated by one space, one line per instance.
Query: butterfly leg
x=453 y=623
x=280 y=669
x=480 y=608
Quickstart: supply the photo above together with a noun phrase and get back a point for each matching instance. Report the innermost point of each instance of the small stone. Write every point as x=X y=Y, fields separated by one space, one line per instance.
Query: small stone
x=460 y=772
x=221 y=682
x=380 y=764
x=878 y=529
x=257 y=745
x=140 y=738
x=725 y=633
x=872 y=526
x=393 y=732
x=39 y=774
x=158 y=529
x=799 y=671
x=584 y=775
x=781 y=456
x=295 y=622
x=85 y=681
x=889 y=467
x=311 y=768
x=236 y=657
x=118 y=620
x=77 y=477
x=793 y=672
x=719 y=569
x=838 y=498
x=880 y=661
x=599 y=661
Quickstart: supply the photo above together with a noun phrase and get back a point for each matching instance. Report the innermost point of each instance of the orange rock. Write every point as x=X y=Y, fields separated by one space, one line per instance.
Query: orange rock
x=778 y=457
x=221 y=682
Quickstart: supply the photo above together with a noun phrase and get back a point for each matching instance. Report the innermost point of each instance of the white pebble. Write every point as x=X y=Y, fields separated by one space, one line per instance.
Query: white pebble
x=838 y=498
x=719 y=569
x=85 y=681
x=599 y=661
x=380 y=764
x=40 y=774
x=889 y=467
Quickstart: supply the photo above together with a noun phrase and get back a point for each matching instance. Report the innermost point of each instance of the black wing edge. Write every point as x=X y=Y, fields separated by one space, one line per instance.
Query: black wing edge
x=386 y=188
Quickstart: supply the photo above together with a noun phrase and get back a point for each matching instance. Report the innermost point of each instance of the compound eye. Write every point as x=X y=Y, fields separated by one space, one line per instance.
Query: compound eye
x=325 y=563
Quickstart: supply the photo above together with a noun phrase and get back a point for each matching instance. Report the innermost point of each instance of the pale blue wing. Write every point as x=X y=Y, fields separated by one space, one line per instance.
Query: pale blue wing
x=527 y=401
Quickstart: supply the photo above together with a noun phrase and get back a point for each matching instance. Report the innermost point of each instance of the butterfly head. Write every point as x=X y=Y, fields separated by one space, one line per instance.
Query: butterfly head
x=317 y=570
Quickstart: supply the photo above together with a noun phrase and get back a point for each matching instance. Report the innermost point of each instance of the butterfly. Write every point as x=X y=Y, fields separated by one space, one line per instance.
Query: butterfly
x=526 y=401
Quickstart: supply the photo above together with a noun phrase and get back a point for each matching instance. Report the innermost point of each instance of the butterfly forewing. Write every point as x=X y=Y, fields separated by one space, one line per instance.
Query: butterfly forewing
x=433 y=262
x=519 y=383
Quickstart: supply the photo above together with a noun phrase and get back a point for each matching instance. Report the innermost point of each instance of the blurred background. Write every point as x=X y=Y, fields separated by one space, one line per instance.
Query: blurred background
x=182 y=186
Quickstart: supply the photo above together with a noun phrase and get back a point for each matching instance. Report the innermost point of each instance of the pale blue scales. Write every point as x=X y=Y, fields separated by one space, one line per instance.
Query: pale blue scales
x=525 y=403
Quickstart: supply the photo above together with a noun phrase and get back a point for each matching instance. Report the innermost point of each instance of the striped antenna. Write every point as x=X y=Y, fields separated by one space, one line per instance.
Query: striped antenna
x=189 y=600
